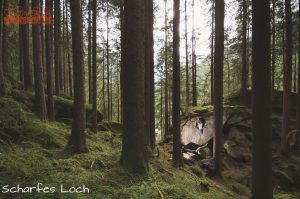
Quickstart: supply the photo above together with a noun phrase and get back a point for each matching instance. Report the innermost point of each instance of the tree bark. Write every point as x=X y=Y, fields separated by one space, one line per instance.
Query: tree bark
x=68 y=55
x=284 y=147
x=4 y=42
x=152 y=86
x=40 y=103
x=177 y=155
x=187 y=87
x=212 y=52
x=2 y=86
x=218 y=84
x=107 y=64
x=90 y=51
x=21 y=68
x=298 y=89
x=147 y=70
x=273 y=45
x=57 y=48
x=77 y=141
x=49 y=67
x=28 y=83
x=261 y=102
x=133 y=155
x=94 y=122
x=194 y=74
x=244 y=55
x=166 y=129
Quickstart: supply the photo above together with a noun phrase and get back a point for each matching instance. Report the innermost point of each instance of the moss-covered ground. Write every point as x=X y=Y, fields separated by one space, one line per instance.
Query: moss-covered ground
x=32 y=151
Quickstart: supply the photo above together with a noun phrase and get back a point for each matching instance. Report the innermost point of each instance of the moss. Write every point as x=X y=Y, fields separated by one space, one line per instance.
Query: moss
x=283 y=179
x=284 y=196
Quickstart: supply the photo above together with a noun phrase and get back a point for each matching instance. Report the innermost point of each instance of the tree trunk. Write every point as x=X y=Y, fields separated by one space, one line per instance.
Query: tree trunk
x=28 y=83
x=133 y=155
x=284 y=148
x=194 y=78
x=49 y=67
x=107 y=64
x=273 y=45
x=218 y=84
x=187 y=87
x=94 y=122
x=152 y=86
x=261 y=102
x=212 y=52
x=40 y=104
x=177 y=155
x=295 y=74
x=43 y=45
x=57 y=47
x=69 y=57
x=244 y=55
x=166 y=76
x=21 y=68
x=90 y=51
x=77 y=141
x=4 y=42
x=2 y=86
x=298 y=89
x=103 y=87
x=147 y=70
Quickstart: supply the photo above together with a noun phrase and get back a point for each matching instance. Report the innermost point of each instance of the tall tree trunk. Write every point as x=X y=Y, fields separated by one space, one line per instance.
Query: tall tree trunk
x=77 y=141
x=103 y=88
x=21 y=69
x=40 y=103
x=49 y=67
x=63 y=47
x=43 y=46
x=147 y=70
x=68 y=54
x=4 y=42
x=90 y=51
x=166 y=75
x=194 y=78
x=295 y=74
x=133 y=155
x=2 y=86
x=107 y=64
x=57 y=47
x=187 y=82
x=244 y=55
x=94 y=122
x=177 y=155
x=218 y=84
x=212 y=52
x=261 y=102
x=284 y=147
x=273 y=46
x=28 y=83
x=298 y=89
x=152 y=86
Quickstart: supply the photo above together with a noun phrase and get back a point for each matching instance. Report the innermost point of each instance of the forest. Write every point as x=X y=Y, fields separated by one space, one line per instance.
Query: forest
x=136 y=99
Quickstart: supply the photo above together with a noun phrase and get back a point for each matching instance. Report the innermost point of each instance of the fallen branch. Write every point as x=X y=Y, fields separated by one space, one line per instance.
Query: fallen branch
x=160 y=193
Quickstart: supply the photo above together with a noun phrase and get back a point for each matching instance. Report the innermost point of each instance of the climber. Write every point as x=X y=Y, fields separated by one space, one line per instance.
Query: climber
x=200 y=123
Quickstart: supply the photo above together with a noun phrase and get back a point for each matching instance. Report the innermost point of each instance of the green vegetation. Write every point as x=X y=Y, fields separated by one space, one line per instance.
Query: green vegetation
x=38 y=157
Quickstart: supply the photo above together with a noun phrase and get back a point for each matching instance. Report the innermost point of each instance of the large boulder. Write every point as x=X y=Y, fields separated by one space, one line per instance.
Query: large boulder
x=232 y=117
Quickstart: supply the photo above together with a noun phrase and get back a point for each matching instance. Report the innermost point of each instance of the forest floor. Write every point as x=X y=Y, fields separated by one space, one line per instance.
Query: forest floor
x=32 y=151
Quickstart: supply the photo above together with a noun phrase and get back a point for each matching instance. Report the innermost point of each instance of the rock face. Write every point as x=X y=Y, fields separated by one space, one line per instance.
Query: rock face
x=232 y=116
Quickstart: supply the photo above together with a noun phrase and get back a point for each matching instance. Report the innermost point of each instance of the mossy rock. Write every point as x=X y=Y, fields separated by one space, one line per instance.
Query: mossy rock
x=63 y=106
